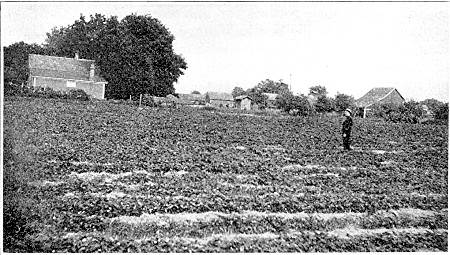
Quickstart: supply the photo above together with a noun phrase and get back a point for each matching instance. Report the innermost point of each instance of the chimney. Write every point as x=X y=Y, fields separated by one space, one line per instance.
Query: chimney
x=77 y=56
x=92 y=72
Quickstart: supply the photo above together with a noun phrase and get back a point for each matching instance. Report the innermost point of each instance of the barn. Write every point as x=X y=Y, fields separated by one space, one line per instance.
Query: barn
x=243 y=102
x=376 y=96
x=219 y=99
x=63 y=74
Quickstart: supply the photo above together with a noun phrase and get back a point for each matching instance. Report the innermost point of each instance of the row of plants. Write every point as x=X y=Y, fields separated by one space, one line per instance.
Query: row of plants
x=179 y=159
x=298 y=242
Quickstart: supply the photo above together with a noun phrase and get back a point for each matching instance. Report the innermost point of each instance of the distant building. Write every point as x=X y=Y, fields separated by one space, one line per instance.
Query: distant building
x=192 y=99
x=63 y=74
x=379 y=96
x=426 y=111
x=218 y=99
x=311 y=100
x=243 y=102
x=169 y=100
x=271 y=100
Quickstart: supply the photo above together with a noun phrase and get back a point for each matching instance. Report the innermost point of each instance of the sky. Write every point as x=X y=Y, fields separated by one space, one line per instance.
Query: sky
x=347 y=47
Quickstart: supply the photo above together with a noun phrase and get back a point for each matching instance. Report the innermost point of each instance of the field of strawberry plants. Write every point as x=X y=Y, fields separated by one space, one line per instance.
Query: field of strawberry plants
x=102 y=177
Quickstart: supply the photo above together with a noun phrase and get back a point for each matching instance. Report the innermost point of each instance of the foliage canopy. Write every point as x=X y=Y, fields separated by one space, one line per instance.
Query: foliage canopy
x=343 y=101
x=16 y=61
x=135 y=55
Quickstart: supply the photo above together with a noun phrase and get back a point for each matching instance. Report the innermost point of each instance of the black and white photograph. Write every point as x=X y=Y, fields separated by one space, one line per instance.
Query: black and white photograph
x=225 y=126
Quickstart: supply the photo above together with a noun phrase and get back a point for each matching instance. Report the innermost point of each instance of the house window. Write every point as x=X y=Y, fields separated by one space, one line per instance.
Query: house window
x=71 y=84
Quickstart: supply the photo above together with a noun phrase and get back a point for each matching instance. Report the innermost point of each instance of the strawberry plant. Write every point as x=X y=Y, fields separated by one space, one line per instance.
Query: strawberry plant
x=111 y=178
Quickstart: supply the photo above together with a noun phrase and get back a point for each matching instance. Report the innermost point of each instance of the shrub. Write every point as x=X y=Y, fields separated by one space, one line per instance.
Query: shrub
x=45 y=92
x=409 y=112
x=147 y=100
x=78 y=94
x=294 y=105
x=209 y=108
x=441 y=112
x=324 y=104
x=343 y=101
x=11 y=89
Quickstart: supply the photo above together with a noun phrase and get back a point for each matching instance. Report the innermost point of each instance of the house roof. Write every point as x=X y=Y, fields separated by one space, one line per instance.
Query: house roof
x=373 y=96
x=59 y=67
x=241 y=97
x=220 y=96
x=191 y=97
x=188 y=99
x=167 y=99
x=271 y=96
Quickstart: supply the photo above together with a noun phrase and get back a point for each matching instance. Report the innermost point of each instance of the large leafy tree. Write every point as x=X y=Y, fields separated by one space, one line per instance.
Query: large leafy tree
x=135 y=55
x=317 y=91
x=266 y=86
x=296 y=105
x=321 y=102
x=238 y=91
x=269 y=86
x=258 y=97
x=343 y=101
x=16 y=61
x=324 y=104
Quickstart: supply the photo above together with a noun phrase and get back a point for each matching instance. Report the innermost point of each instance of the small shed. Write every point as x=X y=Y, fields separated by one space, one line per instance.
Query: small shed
x=63 y=74
x=219 y=99
x=379 y=96
x=243 y=102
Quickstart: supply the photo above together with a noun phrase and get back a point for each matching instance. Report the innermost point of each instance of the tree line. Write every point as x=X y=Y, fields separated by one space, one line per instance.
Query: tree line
x=317 y=101
x=135 y=55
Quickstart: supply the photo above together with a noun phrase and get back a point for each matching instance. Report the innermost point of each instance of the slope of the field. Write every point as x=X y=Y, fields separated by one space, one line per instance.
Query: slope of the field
x=113 y=178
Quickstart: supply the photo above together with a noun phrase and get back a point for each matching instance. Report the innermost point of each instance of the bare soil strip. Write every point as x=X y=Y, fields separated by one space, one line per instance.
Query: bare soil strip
x=344 y=233
x=77 y=163
x=209 y=216
x=107 y=177
x=380 y=152
x=44 y=183
x=228 y=237
x=319 y=167
x=350 y=231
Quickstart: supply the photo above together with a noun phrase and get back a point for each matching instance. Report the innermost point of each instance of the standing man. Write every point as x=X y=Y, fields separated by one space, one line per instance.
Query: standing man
x=347 y=128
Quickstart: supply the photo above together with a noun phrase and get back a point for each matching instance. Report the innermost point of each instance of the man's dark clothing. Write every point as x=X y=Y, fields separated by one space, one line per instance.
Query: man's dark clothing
x=346 y=130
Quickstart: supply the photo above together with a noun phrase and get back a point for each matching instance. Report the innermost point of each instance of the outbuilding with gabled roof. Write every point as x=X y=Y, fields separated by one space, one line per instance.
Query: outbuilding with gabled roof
x=243 y=102
x=63 y=74
x=382 y=95
x=219 y=99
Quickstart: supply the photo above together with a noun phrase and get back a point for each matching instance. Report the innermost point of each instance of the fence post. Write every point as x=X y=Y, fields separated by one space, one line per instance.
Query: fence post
x=140 y=100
